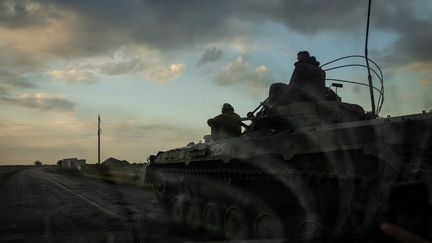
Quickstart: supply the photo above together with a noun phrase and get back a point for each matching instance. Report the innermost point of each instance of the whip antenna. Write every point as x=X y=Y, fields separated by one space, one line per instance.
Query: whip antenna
x=367 y=61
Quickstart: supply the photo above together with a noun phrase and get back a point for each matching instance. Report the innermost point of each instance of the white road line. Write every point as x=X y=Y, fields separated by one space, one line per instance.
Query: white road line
x=98 y=206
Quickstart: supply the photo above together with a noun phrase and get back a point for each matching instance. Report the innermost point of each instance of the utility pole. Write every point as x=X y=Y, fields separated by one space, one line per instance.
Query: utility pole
x=99 y=133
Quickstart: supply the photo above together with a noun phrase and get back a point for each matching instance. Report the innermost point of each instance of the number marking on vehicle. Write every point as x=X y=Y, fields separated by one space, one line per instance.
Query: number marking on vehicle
x=217 y=149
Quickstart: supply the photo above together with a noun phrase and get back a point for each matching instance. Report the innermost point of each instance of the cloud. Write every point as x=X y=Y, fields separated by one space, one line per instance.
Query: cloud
x=74 y=75
x=24 y=13
x=87 y=28
x=171 y=25
x=71 y=29
x=165 y=74
x=41 y=101
x=4 y=91
x=426 y=82
x=241 y=72
x=210 y=55
x=414 y=32
x=118 y=67
x=159 y=24
x=145 y=63
x=50 y=39
x=16 y=69
x=20 y=60
x=10 y=80
x=13 y=79
x=151 y=71
x=307 y=17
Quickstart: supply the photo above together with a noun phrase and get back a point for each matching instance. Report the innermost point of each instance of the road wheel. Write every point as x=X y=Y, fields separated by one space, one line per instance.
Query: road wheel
x=236 y=224
x=213 y=220
x=177 y=210
x=160 y=185
x=308 y=229
x=267 y=225
x=193 y=216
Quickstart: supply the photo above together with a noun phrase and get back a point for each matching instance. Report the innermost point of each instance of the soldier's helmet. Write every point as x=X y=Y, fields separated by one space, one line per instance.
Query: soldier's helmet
x=227 y=107
x=303 y=55
x=313 y=61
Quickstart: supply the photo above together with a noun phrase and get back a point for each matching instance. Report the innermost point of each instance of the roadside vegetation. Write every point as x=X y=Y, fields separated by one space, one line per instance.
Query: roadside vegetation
x=132 y=174
x=8 y=170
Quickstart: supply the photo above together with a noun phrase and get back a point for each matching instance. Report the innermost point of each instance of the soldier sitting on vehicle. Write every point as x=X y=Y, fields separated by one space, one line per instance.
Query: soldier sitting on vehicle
x=225 y=125
x=307 y=83
x=308 y=79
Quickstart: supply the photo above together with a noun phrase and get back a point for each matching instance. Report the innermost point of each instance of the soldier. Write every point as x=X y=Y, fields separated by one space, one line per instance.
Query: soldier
x=225 y=125
x=308 y=79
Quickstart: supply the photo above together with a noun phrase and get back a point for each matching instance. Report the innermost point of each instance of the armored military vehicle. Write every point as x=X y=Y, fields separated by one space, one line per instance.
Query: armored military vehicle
x=300 y=170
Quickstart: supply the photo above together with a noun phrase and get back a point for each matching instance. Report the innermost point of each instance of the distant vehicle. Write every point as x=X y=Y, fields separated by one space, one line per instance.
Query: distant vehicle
x=113 y=162
x=72 y=164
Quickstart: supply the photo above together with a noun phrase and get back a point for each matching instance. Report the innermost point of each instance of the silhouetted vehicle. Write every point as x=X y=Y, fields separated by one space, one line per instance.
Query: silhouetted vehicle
x=300 y=170
x=72 y=164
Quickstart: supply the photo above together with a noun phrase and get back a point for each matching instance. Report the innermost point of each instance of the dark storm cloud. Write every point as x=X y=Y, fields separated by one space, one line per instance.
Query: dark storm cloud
x=179 y=24
x=13 y=66
x=415 y=31
x=415 y=45
x=308 y=16
x=416 y=48
x=11 y=81
x=15 y=80
x=19 y=60
x=24 y=13
x=41 y=102
x=174 y=24
x=210 y=55
x=100 y=26
x=313 y=16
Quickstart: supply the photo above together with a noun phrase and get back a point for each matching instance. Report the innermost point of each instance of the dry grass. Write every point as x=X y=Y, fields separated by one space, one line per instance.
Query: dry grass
x=132 y=175
x=8 y=170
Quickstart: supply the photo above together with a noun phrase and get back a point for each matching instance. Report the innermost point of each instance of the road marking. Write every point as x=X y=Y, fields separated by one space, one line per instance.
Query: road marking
x=98 y=206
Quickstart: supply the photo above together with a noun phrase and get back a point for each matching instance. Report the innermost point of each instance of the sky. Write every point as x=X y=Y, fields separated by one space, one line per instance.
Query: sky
x=157 y=70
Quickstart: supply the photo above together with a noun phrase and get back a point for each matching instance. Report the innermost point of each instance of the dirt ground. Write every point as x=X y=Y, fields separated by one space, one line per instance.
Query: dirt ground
x=40 y=206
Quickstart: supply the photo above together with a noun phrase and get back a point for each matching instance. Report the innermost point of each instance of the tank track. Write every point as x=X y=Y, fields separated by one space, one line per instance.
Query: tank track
x=218 y=203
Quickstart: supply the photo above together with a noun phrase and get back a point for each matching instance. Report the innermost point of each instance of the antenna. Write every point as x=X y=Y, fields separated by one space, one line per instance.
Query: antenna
x=99 y=131
x=367 y=61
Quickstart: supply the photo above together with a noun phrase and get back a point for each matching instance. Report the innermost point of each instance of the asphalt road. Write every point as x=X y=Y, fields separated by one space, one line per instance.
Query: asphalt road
x=39 y=206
